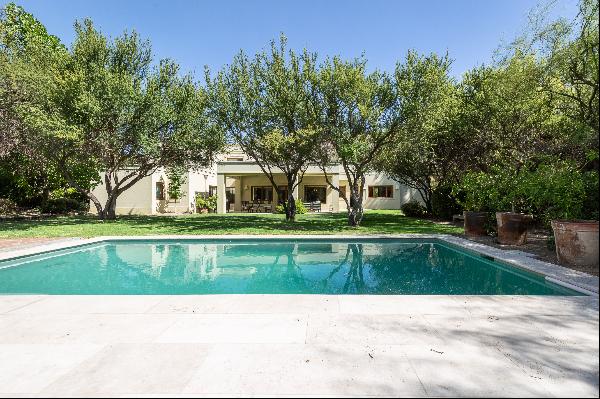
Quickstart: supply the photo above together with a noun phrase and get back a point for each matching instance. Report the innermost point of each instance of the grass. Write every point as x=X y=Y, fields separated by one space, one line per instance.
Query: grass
x=374 y=222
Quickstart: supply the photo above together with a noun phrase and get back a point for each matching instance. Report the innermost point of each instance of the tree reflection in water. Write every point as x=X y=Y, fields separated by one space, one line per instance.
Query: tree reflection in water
x=331 y=267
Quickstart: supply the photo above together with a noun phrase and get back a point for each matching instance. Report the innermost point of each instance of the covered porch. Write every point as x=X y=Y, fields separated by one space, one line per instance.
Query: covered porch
x=243 y=187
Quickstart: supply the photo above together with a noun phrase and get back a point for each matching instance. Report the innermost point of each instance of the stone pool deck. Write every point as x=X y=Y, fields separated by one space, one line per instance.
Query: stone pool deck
x=298 y=345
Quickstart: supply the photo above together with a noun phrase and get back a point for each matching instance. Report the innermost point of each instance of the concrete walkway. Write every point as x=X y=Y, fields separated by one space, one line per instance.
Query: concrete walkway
x=298 y=345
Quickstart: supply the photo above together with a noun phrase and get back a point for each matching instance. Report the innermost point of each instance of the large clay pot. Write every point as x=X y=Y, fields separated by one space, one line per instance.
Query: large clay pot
x=475 y=223
x=512 y=227
x=576 y=242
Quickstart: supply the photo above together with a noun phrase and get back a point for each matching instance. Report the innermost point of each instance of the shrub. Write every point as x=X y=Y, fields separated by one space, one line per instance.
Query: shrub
x=7 y=206
x=206 y=202
x=58 y=206
x=300 y=208
x=592 y=196
x=443 y=203
x=413 y=209
x=550 y=191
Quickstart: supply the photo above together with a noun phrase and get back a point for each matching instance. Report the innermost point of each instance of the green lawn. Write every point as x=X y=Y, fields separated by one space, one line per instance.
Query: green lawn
x=374 y=222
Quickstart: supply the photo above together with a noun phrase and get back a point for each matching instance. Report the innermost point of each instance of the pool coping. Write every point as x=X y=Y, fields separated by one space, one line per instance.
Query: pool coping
x=575 y=280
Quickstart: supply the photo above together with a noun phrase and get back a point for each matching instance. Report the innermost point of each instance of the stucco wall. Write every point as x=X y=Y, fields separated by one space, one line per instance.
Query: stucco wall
x=137 y=200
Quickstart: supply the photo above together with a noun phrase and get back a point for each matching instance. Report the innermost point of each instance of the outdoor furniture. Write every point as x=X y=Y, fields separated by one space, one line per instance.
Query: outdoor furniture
x=246 y=206
x=254 y=207
x=314 y=206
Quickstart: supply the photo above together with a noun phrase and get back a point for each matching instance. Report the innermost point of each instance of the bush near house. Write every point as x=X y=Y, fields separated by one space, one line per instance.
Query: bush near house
x=300 y=208
x=209 y=203
x=413 y=209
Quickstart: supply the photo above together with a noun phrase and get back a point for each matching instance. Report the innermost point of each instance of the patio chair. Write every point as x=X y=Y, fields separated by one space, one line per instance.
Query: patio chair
x=246 y=206
x=315 y=206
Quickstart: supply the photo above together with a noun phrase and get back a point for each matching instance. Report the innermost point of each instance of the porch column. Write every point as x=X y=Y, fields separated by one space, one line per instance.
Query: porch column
x=335 y=195
x=238 y=193
x=221 y=199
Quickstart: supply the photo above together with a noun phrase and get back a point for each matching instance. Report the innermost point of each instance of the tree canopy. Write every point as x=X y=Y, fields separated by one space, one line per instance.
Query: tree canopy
x=269 y=107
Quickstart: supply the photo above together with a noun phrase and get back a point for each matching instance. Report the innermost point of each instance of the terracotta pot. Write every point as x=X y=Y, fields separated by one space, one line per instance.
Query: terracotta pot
x=512 y=227
x=576 y=242
x=203 y=210
x=475 y=223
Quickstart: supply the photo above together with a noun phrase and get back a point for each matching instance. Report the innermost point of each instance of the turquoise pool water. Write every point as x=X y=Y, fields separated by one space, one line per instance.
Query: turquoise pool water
x=268 y=267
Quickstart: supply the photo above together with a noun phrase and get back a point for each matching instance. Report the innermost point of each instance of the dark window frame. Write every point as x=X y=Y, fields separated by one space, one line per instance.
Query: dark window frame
x=282 y=199
x=159 y=191
x=268 y=189
x=381 y=191
x=321 y=200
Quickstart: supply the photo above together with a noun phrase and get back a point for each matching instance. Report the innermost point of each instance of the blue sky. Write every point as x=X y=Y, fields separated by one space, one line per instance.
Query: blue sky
x=198 y=33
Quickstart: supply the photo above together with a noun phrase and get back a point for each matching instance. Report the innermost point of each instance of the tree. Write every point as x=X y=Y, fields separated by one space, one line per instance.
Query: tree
x=427 y=145
x=568 y=52
x=269 y=107
x=176 y=178
x=105 y=108
x=360 y=118
x=28 y=56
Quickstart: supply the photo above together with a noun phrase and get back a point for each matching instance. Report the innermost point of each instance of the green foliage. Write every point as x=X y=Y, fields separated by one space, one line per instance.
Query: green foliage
x=7 y=206
x=359 y=118
x=59 y=206
x=550 y=191
x=413 y=209
x=592 y=196
x=176 y=178
x=426 y=151
x=209 y=203
x=300 y=208
x=443 y=203
x=267 y=105
x=102 y=107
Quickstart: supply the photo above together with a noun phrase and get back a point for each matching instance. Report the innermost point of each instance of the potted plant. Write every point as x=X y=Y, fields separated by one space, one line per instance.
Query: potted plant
x=512 y=227
x=513 y=191
x=472 y=195
x=206 y=204
x=576 y=242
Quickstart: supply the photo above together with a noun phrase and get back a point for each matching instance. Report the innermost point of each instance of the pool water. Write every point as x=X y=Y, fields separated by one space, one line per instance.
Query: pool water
x=269 y=267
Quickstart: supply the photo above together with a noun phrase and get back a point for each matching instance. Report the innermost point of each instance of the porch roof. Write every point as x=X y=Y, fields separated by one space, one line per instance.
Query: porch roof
x=252 y=168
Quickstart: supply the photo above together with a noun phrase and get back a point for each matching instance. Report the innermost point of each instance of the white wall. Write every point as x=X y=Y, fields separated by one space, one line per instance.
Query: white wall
x=137 y=200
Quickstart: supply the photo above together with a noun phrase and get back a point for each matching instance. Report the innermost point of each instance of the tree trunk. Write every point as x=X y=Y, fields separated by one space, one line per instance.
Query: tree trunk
x=355 y=210
x=290 y=210
x=110 y=207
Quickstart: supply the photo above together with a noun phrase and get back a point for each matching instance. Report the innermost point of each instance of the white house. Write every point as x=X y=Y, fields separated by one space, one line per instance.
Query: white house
x=241 y=186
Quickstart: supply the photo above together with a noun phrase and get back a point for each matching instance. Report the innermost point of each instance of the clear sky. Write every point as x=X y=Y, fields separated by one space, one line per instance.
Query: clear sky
x=197 y=33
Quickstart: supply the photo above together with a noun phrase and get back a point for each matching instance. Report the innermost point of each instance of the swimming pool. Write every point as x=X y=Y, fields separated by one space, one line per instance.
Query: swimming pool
x=273 y=266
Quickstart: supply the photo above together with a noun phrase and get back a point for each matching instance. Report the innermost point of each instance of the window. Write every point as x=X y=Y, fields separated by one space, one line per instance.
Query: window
x=342 y=191
x=235 y=159
x=315 y=193
x=229 y=197
x=212 y=190
x=381 y=191
x=160 y=190
x=264 y=194
x=283 y=194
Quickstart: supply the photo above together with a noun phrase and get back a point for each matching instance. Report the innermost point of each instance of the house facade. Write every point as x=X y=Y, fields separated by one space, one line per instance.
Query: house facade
x=239 y=183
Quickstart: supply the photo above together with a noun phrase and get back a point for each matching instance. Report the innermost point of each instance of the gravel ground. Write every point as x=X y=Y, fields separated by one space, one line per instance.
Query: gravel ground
x=538 y=245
